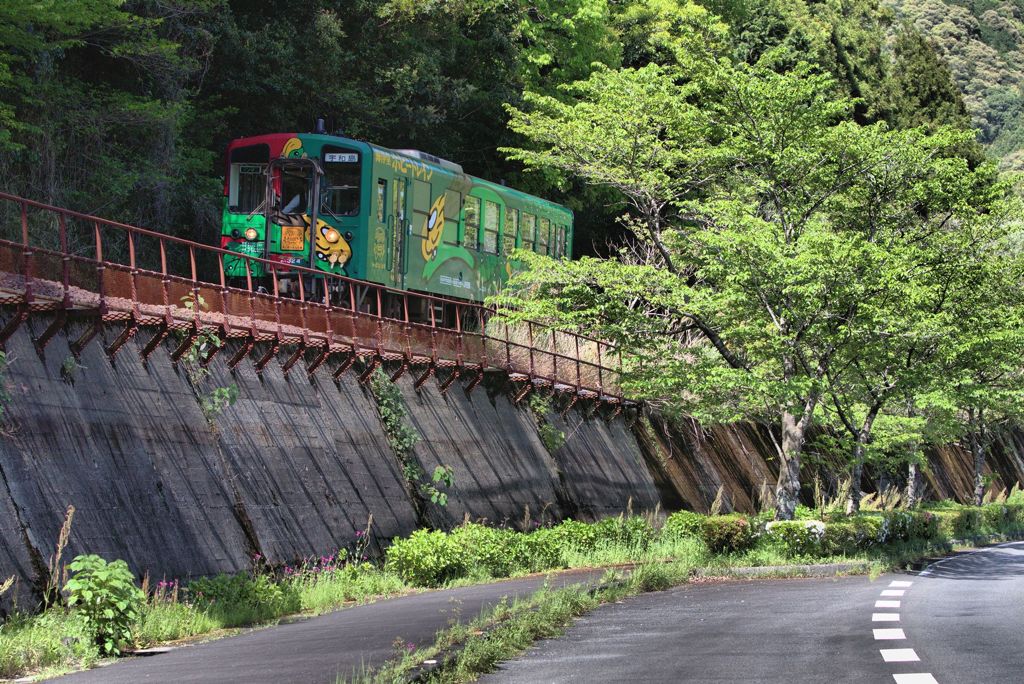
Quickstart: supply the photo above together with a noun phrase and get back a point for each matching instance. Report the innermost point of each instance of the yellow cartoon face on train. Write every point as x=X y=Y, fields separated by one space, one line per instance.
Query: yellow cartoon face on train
x=433 y=229
x=331 y=248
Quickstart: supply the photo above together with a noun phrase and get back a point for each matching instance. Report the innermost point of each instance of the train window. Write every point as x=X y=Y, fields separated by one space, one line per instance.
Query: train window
x=382 y=199
x=511 y=229
x=452 y=207
x=295 y=189
x=528 y=232
x=492 y=218
x=471 y=232
x=339 y=192
x=247 y=178
x=542 y=236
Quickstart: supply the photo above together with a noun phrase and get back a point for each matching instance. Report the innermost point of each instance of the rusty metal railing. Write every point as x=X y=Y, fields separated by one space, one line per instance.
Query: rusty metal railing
x=54 y=259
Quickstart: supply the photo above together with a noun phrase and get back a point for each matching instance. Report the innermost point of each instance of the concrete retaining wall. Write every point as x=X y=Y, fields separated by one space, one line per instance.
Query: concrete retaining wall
x=300 y=463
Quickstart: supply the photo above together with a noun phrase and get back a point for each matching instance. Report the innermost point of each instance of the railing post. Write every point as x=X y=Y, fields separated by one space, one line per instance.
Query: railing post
x=26 y=266
x=133 y=274
x=529 y=338
x=100 y=268
x=579 y=380
x=65 y=262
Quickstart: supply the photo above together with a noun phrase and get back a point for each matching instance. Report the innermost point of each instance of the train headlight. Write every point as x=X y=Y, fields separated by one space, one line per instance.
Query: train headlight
x=251 y=234
x=332 y=236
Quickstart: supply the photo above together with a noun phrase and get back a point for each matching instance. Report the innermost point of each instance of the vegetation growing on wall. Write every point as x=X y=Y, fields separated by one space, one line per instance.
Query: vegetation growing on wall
x=402 y=437
x=551 y=437
x=212 y=400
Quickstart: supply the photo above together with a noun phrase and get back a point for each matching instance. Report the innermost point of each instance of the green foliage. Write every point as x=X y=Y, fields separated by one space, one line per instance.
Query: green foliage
x=52 y=639
x=683 y=525
x=542 y=549
x=797 y=537
x=402 y=437
x=577 y=536
x=630 y=532
x=497 y=551
x=393 y=414
x=727 y=533
x=551 y=437
x=106 y=595
x=426 y=558
x=243 y=598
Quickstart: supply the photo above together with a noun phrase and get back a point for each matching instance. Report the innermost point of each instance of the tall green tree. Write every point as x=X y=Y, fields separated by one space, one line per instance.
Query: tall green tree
x=767 y=232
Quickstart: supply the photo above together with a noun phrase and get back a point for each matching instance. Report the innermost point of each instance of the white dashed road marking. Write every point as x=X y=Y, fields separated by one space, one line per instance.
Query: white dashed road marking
x=900 y=583
x=890 y=634
x=915 y=678
x=893 y=592
x=887 y=604
x=885 y=617
x=899 y=655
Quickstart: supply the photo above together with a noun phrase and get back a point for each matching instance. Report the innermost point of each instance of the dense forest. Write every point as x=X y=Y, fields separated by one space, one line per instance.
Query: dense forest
x=982 y=42
x=123 y=108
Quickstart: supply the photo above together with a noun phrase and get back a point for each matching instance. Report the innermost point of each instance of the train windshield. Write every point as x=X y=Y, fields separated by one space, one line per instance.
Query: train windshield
x=339 y=190
x=247 y=178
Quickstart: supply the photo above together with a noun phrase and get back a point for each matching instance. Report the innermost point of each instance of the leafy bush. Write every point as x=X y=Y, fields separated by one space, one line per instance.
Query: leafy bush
x=896 y=526
x=995 y=516
x=960 y=523
x=106 y=595
x=542 y=549
x=727 y=533
x=803 y=512
x=797 y=537
x=490 y=549
x=868 y=529
x=426 y=558
x=840 y=539
x=633 y=532
x=924 y=525
x=243 y=598
x=1014 y=517
x=576 y=536
x=682 y=525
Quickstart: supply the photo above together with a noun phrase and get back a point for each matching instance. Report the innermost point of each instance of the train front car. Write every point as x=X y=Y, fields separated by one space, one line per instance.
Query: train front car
x=400 y=218
x=294 y=199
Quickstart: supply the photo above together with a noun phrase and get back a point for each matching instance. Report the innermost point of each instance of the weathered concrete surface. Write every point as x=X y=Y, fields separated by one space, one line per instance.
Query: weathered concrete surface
x=127 y=446
x=604 y=469
x=502 y=471
x=701 y=461
x=309 y=459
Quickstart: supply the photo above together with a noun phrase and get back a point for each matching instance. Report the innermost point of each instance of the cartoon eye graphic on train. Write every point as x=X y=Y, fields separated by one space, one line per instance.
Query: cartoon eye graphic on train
x=331 y=246
x=433 y=228
x=293 y=148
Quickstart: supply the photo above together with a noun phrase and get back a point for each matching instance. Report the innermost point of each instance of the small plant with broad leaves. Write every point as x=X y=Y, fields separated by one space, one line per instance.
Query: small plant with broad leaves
x=105 y=593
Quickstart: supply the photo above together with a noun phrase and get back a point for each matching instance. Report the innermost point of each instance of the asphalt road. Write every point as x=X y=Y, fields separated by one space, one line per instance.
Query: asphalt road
x=960 y=621
x=320 y=649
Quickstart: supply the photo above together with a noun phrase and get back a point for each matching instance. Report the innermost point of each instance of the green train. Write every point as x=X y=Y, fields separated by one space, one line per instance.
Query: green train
x=400 y=218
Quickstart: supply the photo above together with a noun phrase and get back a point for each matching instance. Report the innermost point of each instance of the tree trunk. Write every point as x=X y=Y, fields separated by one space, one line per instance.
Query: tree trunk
x=913 y=484
x=978 y=451
x=857 y=471
x=787 y=490
x=977 y=442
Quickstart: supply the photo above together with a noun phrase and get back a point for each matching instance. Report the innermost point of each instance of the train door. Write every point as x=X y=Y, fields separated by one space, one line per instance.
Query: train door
x=399 y=220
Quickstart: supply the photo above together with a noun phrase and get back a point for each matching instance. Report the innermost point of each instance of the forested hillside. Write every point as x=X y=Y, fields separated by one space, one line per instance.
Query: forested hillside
x=124 y=108
x=982 y=41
